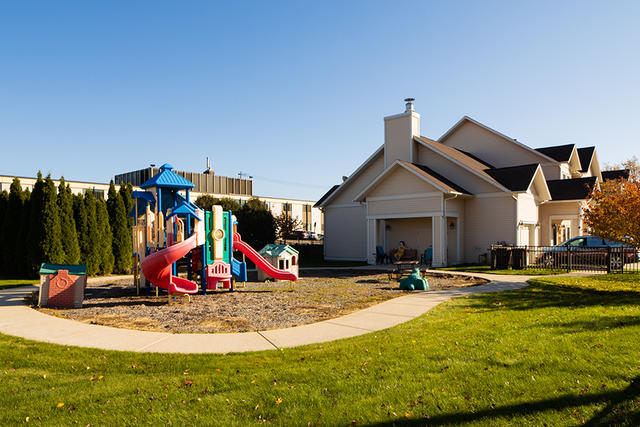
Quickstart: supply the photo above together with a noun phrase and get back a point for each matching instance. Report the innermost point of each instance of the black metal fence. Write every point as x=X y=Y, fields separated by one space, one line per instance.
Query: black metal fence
x=611 y=259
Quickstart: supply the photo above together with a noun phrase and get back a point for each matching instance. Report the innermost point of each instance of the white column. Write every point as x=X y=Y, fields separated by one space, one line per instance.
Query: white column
x=371 y=241
x=439 y=238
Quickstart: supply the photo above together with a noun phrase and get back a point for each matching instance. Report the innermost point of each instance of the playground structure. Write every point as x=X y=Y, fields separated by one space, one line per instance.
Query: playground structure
x=168 y=227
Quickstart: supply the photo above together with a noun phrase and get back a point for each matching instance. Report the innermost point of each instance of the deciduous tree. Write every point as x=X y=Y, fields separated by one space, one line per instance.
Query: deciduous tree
x=285 y=225
x=614 y=211
x=206 y=202
x=256 y=223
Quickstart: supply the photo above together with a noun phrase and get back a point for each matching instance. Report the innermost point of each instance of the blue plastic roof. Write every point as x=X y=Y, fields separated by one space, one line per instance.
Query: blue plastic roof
x=183 y=209
x=167 y=179
x=146 y=195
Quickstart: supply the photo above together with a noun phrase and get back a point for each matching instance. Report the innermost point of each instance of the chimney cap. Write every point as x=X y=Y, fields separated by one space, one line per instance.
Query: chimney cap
x=409 y=104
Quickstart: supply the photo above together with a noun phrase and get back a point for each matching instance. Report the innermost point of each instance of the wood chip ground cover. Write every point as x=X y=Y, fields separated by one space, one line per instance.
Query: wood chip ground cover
x=316 y=296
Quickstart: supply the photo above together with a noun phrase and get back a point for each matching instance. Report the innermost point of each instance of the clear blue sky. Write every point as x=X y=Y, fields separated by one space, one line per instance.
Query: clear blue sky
x=296 y=91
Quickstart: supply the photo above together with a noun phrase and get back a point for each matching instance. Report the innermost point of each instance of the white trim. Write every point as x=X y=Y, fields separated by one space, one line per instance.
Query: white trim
x=501 y=135
x=354 y=174
x=385 y=172
x=463 y=166
x=491 y=195
x=345 y=205
x=412 y=215
x=544 y=180
x=555 y=202
x=403 y=114
x=402 y=196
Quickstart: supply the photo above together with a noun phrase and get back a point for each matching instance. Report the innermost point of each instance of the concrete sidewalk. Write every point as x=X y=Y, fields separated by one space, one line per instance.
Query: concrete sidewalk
x=20 y=320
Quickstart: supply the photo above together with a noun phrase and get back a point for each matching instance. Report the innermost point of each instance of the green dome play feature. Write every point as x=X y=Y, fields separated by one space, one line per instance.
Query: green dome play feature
x=414 y=282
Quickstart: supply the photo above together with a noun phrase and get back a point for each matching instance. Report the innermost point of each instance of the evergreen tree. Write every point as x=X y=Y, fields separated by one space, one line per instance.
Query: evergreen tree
x=21 y=247
x=34 y=231
x=68 y=232
x=4 y=202
x=11 y=226
x=51 y=243
x=105 y=239
x=119 y=230
x=81 y=221
x=91 y=236
x=126 y=192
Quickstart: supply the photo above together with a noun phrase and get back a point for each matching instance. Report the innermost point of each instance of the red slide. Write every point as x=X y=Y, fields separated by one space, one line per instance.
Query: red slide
x=157 y=268
x=260 y=262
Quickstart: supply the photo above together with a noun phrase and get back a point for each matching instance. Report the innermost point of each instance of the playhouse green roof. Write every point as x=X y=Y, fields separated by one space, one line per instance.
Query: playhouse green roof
x=75 y=269
x=167 y=179
x=274 y=250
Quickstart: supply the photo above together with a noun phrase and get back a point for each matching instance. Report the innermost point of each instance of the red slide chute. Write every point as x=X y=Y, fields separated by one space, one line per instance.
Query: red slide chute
x=157 y=268
x=260 y=262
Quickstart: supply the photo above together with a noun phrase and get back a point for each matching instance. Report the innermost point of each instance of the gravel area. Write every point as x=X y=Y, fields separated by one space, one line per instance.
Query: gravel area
x=317 y=295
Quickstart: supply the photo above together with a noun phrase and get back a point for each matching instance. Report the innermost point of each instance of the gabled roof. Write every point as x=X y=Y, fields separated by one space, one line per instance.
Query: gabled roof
x=325 y=195
x=468 y=119
x=167 y=179
x=515 y=178
x=561 y=153
x=422 y=172
x=357 y=172
x=441 y=180
x=275 y=251
x=475 y=166
x=476 y=158
x=571 y=189
x=615 y=174
x=184 y=209
x=586 y=155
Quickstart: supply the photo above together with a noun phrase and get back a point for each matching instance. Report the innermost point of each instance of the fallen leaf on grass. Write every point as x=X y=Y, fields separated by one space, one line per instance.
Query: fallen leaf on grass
x=279 y=401
x=60 y=405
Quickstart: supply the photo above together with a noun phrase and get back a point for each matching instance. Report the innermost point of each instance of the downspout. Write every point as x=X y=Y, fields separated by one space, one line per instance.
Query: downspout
x=517 y=222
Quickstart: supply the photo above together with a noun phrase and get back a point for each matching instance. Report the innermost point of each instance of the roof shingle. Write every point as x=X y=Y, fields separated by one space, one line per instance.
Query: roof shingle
x=561 y=153
x=571 y=189
x=515 y=178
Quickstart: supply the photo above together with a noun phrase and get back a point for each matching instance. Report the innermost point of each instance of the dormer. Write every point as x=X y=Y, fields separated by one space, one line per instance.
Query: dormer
x=568 y=165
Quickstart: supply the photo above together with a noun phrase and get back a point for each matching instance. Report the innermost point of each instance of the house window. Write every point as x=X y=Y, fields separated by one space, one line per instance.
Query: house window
x=287 y=208
x=306 y=217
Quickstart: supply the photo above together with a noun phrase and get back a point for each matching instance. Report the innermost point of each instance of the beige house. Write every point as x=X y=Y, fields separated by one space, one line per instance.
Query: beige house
x=472 y=187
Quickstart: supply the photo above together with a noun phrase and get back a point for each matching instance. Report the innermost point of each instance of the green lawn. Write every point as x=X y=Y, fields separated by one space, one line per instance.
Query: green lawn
x=12 y=283
x=487 y=269
x=563 y=351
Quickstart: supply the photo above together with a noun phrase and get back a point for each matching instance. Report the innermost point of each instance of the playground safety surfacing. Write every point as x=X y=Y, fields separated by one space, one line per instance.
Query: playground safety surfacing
x=18 y=319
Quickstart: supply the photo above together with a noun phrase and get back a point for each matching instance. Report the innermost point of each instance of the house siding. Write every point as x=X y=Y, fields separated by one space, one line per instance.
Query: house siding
x=345 y=233
x=426 y=205
x=458 y=174
x=401 y=181
x=556 y=210
x=488 y=220
x=490 y=147
x=358 y=184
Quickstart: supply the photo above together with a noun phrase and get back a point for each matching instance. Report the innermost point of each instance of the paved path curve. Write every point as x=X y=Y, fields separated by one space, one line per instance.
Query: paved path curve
x=20 y=320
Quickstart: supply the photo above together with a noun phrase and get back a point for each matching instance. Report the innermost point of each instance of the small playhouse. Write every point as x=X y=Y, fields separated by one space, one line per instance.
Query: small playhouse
x=282 y=257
